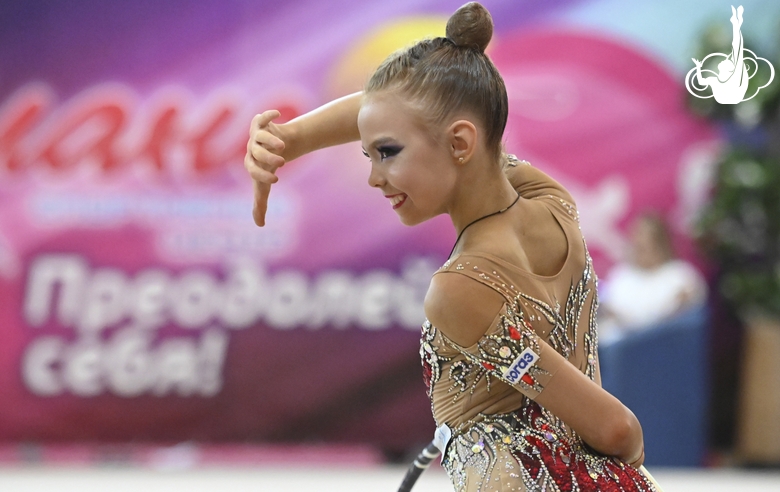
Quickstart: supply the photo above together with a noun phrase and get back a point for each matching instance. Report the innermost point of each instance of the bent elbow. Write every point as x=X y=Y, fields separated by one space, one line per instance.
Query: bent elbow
x=623 y=436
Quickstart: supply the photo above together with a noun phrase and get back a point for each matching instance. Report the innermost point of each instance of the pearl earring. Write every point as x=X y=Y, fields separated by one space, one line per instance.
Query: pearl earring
x=460 y=159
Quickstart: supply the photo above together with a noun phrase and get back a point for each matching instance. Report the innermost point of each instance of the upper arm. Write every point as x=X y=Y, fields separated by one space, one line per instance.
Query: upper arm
x=462 y=308
x=491 y=332
x=530 y=182
x=473 y=316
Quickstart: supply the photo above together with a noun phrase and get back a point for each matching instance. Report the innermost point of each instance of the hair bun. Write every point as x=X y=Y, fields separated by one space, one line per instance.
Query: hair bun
x=470 y=26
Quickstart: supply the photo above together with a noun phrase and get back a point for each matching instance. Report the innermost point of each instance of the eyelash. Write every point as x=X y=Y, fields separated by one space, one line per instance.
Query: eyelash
x=385 y=152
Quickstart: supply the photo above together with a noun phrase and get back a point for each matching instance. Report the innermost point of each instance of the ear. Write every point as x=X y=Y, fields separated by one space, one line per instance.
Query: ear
x=462 y=135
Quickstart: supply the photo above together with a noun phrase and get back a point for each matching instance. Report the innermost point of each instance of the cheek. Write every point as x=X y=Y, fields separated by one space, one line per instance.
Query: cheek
x=425 y=176
x=439 y=180
x=422 y=186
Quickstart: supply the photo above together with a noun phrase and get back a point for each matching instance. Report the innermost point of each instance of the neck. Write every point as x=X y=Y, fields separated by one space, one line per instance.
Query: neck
x=482 y=189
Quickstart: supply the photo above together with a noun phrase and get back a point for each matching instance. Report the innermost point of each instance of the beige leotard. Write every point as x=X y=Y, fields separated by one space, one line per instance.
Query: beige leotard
x=501 y=439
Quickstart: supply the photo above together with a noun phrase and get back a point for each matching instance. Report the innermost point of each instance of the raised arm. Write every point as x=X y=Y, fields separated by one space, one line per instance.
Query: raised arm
x=465 y=310
x=270 y=145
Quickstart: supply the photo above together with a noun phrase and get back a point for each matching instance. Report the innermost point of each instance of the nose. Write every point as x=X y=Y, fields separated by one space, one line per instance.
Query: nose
x=375 y=178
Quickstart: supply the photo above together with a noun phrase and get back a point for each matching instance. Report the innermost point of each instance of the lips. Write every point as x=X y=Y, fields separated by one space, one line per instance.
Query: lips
x=397 y=200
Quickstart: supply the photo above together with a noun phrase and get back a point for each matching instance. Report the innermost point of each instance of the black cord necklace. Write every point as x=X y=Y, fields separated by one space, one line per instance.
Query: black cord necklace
x=477 y=220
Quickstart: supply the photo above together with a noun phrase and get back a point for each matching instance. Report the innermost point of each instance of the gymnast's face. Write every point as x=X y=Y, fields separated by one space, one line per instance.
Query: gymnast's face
x=410 y=161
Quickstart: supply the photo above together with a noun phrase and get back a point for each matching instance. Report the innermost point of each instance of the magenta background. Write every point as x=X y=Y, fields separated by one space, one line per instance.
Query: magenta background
x=599 y=109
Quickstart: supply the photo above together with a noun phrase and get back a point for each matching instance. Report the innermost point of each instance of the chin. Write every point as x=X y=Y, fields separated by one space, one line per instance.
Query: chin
x=412 y=221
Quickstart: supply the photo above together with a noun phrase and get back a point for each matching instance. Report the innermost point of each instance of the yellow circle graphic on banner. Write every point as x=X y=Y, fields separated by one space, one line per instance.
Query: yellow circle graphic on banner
x=359 y=62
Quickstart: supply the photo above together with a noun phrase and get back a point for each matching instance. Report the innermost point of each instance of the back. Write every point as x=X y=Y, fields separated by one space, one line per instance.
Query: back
x=560 y=309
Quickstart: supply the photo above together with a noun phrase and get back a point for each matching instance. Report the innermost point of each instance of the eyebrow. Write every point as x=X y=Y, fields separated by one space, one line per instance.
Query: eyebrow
x=379 y=142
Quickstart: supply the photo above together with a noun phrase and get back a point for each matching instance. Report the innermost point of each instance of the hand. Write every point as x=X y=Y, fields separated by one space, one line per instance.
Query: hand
x=263 y=159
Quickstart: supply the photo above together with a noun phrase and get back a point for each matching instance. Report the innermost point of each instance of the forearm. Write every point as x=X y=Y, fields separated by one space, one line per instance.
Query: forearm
x=599 y=418
x=332 y=124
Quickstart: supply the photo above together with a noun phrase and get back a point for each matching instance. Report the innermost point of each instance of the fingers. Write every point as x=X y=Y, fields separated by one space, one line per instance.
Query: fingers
x=264 y=146
x=259 y=131
x=258 y=173
x=262 y=119
x=263 y=157
x=261 y=160
x=269 y=141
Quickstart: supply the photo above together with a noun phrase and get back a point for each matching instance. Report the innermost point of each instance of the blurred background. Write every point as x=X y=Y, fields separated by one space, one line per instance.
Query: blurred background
x=147 y=325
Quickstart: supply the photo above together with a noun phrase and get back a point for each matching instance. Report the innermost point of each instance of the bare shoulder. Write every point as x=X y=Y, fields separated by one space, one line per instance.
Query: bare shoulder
x=461 y=307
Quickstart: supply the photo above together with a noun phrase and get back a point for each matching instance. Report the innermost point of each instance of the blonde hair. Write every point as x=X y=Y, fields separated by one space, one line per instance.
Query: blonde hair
x=452 y=74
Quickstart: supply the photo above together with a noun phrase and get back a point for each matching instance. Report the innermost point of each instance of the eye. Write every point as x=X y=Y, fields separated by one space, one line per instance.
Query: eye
x=387 y=151
x=366 y=154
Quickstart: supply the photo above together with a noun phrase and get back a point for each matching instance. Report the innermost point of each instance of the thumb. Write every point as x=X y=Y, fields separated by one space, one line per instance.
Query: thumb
x=260 y=204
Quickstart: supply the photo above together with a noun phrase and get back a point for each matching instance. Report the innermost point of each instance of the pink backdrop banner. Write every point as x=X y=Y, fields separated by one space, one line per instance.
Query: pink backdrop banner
x=138 y=301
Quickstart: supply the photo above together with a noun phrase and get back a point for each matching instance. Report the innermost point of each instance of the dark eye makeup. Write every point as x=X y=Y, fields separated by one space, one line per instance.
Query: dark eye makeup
x=385 y=151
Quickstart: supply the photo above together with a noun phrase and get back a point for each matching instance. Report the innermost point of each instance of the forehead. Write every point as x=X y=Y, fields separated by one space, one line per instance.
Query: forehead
x=385 y=112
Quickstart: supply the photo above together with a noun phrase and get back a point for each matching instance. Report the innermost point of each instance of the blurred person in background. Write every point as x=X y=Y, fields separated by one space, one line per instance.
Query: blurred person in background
x=652 y=286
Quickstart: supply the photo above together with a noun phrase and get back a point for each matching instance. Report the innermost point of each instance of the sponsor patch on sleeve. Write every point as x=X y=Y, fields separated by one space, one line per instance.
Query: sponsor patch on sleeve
x=520 y=366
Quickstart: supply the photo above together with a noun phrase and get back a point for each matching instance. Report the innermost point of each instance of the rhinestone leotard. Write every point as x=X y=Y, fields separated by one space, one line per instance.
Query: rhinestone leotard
x=503 y=440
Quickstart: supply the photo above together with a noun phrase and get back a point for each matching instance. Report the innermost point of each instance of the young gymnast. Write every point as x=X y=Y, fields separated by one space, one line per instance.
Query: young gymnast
x=509 y=345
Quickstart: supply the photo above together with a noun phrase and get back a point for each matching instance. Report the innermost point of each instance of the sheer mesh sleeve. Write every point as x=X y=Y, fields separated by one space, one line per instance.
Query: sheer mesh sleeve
x=513 y=352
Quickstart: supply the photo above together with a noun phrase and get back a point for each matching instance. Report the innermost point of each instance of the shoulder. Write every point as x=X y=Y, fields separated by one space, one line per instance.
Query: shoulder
x=531 y=182
x=461 y=307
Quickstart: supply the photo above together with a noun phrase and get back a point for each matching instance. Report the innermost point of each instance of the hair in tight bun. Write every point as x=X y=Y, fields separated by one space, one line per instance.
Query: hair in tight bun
x=445 y=76
x=470 y=26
